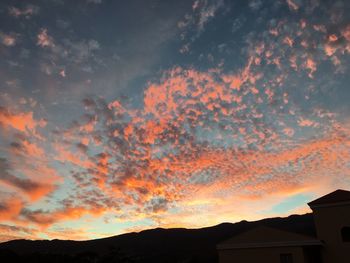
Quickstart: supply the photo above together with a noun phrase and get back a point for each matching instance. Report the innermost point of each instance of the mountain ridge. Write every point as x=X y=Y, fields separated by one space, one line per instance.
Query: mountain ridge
x=159 y=244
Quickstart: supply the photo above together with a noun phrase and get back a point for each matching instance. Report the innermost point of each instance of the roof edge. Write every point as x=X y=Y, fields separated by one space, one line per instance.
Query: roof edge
x=328 y=205
x=334 y=197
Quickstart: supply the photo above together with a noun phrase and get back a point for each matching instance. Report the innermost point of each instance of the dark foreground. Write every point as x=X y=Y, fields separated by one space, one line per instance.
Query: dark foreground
x=156 y=245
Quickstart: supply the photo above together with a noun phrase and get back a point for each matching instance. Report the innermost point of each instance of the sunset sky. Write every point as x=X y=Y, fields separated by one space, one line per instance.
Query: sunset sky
x=118 y=116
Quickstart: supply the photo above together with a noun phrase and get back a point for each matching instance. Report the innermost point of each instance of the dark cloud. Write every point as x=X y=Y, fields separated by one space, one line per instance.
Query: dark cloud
x=3 y=207
x=156 y=205
x=39 y=216
x=24 y=184
x=82 y=147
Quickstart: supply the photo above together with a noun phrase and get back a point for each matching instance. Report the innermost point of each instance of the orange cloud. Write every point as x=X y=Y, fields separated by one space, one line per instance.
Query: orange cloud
x=34 y=190
x=10 y=207
x=23 y=122
x=311 y=65
x=11 y=232
x=46 y=218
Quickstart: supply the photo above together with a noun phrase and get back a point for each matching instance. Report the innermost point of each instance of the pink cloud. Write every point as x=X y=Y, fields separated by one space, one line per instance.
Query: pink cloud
x=26 y=12
x=8 y=40
x=292 y=5
x=44 y=40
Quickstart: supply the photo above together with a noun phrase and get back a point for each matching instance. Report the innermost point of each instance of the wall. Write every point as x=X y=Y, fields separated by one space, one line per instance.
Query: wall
x=329 y=222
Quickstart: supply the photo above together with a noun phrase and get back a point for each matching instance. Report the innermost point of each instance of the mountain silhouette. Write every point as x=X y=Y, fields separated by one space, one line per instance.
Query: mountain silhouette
x=155 y=245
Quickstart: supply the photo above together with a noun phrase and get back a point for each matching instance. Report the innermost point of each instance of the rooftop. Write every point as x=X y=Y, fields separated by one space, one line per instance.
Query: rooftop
x=338 y=196
x=268 y=237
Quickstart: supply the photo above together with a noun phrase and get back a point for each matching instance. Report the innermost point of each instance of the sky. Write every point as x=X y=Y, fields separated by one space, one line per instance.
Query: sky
x=119 y=116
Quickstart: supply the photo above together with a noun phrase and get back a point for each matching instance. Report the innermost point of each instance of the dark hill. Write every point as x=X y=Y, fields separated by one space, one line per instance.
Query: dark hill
x=155 y=245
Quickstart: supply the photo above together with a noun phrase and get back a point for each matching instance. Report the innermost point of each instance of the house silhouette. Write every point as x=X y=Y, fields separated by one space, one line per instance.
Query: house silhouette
x=264 y=244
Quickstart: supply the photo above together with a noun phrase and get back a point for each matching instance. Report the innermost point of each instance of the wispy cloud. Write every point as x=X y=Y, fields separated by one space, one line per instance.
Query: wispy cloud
x=26 y=12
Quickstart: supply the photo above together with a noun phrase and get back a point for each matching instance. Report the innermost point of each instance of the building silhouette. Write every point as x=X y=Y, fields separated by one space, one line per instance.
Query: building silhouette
x=264 y=244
